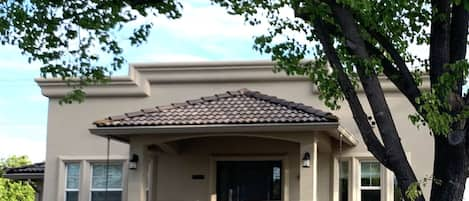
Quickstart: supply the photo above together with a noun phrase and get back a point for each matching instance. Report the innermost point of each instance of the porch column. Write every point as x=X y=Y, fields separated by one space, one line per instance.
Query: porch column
x=309 y=175
x=137 y=177
x=153 y=176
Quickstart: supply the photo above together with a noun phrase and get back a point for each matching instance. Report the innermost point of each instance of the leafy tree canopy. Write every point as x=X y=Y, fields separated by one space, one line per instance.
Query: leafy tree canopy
x=15 y=190
x=388 y=29
x=13 y=161
x=69 y=37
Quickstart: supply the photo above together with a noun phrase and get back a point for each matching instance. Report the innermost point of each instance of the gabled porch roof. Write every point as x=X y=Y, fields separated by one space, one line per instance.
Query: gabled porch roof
x=233 y=107
x=233 y=111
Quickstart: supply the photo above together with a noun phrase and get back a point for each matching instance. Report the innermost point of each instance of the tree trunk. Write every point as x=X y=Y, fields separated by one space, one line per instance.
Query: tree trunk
x=448 y=171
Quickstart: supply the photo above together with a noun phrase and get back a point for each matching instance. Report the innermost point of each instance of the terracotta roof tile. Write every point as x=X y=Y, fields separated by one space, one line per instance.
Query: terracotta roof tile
x=134 y=114
x=233 y=107
x=149 y=110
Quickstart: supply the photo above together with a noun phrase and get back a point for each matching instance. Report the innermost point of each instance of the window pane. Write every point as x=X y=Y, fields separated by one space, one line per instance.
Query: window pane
x=343 y=181
x=73 y=175
x=71 y=196
x=370 y=174
x=111 y=196
x=276 y=192
x=114 y=176
x=365 y=182
x=371 y=195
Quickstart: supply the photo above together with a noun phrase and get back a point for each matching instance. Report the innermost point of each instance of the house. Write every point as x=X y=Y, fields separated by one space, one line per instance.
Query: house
x=33 y=174
x=216 y=131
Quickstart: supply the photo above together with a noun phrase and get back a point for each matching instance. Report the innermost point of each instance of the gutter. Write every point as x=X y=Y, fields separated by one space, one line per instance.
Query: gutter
x=216 y=128
x=348 y=137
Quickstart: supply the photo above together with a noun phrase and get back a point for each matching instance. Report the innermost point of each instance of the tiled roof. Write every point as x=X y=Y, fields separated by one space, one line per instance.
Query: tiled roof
x=28 y=169
x=233 y=107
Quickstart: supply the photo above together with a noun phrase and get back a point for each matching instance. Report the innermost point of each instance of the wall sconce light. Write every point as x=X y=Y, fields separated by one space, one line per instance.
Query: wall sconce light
x=306 y=160
x=133 y=162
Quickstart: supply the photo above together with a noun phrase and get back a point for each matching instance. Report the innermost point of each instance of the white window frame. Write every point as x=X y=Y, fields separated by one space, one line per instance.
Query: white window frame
x=66 y=180
x=380 y=176
x=85 y=176
x=121 y=189
x=354 y=158
x=349 y=177
x=381 y=179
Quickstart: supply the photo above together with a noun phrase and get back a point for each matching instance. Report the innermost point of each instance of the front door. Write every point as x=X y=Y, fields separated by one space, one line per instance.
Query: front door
x=249 y=180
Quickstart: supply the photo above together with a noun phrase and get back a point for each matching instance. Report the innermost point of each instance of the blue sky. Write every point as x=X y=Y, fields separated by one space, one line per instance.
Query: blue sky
x=204 y=33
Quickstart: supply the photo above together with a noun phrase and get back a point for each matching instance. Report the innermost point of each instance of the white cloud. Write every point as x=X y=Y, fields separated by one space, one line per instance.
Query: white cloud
x=207 y=22
x=14 y=145
x=24 y=139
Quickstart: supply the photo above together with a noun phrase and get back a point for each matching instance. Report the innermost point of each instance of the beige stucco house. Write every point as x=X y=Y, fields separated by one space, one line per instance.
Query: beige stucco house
x=216 y=131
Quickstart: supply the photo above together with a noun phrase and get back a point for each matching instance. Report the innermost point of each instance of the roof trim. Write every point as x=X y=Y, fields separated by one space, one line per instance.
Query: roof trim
x=181 y=129
x=347 y=136
x=124 y=133
x=141 y=75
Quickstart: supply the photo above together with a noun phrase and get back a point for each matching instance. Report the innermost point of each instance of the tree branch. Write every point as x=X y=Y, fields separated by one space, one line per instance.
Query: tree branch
x=407 y=84
x=368 y=77
x=439 y=39
x=458 y=38
x=369 y=137
x=395 y=155
x=400 y=76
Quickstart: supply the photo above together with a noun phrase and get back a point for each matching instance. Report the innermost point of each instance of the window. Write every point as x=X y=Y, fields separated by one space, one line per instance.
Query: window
x=343 y=180
x=370 y=185
x=72 y=181
x=276 y=192
x=112 y=184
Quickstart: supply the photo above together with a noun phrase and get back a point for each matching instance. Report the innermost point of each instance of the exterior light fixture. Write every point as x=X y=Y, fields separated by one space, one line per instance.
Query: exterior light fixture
x=306 y=160
x=133 y=162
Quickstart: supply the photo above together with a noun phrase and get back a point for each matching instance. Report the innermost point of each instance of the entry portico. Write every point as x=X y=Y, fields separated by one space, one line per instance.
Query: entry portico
x=207 y=148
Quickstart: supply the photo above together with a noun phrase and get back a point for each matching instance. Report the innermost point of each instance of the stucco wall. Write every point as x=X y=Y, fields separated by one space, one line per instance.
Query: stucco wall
x=68 y=135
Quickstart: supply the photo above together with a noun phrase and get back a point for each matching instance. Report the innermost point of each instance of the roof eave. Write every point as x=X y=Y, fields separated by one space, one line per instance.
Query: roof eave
x=124 y=133
x=346 y=136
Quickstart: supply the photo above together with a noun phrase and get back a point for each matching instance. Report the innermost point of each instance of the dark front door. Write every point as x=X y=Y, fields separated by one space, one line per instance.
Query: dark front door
x=249 y=180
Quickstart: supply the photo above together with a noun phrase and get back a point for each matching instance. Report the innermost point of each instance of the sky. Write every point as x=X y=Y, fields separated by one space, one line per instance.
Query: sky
x=204 y=33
